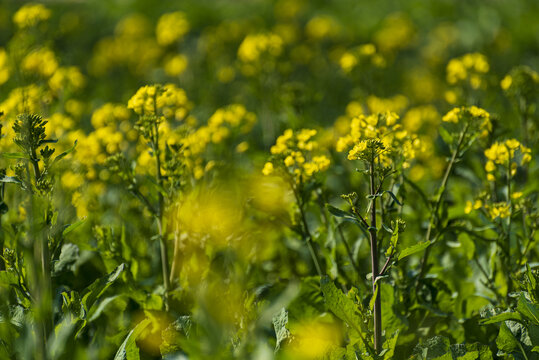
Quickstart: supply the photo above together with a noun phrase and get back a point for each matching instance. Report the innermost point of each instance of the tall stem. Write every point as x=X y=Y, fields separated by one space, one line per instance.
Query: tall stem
x=160 y=209
x=374 y=262
x=307 y=232
x=438 y=202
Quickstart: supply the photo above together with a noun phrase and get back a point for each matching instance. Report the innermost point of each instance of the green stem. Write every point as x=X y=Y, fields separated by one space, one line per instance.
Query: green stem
x=377 y=310
x=438 y=202
x=307 y=232
x=162 y=240
x=160 y=209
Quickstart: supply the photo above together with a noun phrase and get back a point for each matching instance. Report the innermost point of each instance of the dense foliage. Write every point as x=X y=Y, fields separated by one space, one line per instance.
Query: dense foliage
x=262 y=179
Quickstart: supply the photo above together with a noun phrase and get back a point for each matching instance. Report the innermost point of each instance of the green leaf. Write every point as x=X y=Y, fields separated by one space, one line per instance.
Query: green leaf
x=129 y=350
x=393 y=197
x=68 y=151
x=502 y=317
x=446 y=136
x=279 y=324
x=98 y=287
x=15 y=155
x=340 y=305
x=414 y=249
x=345 y=215
x=68 y=256
x=528 y=309
x=69 y=228
x=389 y=346
x=506 y=341
x=10 y=179
x=394 y=240
x=338 y=212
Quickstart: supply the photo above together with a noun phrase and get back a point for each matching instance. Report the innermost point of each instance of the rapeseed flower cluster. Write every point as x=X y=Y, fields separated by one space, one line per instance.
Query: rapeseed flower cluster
x=30 y=15
x=468 y=69
x=504 y=154
x=171 y=27
x=167 y=101
x=295 y=154
x=402 y=146
x=475 y=118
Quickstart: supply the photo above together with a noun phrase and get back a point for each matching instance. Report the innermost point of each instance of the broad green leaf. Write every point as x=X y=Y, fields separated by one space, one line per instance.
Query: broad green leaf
x=389 y=346
x=68 y=256
x=129 y=350
x=340 y=305
x=502 y=317
x=506 y=341
x=98 y=287
x=434 y=348
x=528 y=309
x=280 y=321
x=413 y=249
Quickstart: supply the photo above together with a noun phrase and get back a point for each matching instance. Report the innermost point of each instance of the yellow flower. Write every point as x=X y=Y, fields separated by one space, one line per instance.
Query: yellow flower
x=30 y=15
x=357 y=150
x=499 y=210
x=41 y=61
x=506 y=82
x=69 y=77
x=176 y=65
x=516 y=195
x=289 y=161
x=171 y=27
x=254 y=46
x=4 y=67
x=468 y=67
x=452 y=116
x=268 y=168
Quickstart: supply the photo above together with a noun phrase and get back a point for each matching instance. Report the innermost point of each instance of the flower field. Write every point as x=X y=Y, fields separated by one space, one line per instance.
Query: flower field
x=285 y=179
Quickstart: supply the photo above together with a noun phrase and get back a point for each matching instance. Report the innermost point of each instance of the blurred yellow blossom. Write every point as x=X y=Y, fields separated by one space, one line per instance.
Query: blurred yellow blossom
x=4 y=66
x=67 y=78
x=171 y=27
x=469 y=67
x=41 y=61
x=313 y=339
x=253 y=47
x=176 y=65
x=320 y=27
x=30 y=15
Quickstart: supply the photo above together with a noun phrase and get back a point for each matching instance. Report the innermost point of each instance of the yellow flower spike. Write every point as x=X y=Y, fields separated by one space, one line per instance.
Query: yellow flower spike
x=491 y=178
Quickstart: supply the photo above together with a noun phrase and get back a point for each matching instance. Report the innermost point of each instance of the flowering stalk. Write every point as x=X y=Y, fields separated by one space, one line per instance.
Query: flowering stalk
x=160 y=207
x=434 y=212
x=377 y=310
